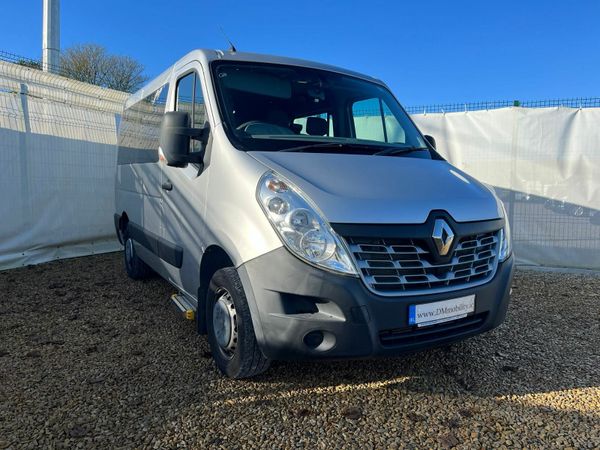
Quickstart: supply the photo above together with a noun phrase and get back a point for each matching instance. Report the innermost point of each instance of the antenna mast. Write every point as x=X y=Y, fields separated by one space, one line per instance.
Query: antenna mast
x=232 y=48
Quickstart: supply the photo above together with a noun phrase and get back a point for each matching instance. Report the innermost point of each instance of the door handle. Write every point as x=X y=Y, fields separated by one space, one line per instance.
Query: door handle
x=167 y=186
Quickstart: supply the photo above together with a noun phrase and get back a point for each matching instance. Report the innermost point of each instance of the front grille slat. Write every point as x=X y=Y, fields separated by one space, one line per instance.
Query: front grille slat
x=401 y=266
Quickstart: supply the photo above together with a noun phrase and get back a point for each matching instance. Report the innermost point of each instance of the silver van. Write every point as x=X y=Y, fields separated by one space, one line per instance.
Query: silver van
x=300 y=213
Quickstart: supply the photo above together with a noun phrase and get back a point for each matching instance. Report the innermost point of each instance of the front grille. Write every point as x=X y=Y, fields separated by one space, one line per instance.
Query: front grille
x=404 y=266
x=414 y=335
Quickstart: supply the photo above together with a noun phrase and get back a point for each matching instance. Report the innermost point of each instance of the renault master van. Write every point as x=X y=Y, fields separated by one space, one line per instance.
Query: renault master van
x=300 y=214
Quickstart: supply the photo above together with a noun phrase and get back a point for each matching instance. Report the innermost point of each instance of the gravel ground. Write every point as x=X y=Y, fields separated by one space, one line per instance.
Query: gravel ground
x=89 y=358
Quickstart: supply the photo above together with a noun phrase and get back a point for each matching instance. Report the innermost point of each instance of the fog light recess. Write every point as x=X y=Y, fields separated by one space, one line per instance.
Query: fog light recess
x=313 y=339
x=318 y=340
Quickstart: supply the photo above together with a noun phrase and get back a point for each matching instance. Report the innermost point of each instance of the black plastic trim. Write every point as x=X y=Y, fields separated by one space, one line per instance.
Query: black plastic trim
x=165 y=250
x=129 y=155
x=416 y=231
x=351 y=313
x=416 y=335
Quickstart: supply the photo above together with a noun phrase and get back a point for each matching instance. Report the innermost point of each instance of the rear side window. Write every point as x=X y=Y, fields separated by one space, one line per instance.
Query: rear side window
x=189 y=98
x=373 y=120
x=140 y=125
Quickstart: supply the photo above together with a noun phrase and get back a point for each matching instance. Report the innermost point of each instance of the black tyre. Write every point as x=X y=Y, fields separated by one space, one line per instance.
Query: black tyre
x=229 y=325
x=135 y=267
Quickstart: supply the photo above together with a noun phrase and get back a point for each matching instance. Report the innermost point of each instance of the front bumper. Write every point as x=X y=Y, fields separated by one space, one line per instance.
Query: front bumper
x=289 y=299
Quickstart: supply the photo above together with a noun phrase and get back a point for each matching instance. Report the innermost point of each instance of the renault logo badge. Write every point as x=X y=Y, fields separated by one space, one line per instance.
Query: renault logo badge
x=443 y=236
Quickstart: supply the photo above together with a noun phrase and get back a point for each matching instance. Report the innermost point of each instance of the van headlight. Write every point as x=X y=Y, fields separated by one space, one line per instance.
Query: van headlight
x=301 y=226
x=505 y=239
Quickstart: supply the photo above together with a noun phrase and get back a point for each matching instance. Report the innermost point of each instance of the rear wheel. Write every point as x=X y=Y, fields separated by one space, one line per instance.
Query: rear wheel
x=135 y=267
x=230 y=330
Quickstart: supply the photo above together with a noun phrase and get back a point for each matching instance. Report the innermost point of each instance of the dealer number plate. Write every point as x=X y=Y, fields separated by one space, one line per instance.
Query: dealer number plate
x=427 y=314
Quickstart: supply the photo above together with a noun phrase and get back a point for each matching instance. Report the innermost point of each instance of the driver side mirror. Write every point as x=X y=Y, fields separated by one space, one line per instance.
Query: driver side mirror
x=430 y=140
x=175 y=135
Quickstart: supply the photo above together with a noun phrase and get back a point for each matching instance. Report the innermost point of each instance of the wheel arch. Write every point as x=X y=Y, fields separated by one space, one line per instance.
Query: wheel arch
x=213 y=259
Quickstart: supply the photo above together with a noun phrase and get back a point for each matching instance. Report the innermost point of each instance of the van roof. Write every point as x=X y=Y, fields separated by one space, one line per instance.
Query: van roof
x=207 y=55
x=257 y=57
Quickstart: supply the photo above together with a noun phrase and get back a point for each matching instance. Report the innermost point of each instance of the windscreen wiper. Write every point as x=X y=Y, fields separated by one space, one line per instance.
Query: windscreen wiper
x=332 y=145
x=399 y=151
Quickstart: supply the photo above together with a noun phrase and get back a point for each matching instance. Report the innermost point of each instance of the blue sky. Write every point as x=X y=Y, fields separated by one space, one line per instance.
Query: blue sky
x=427 y=51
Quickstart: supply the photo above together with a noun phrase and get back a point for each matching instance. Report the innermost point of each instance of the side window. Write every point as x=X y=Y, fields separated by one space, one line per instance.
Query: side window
x=394 y=131
x=199 y=110
x=185 y=93
x=160 y=99
x=366 y=116
x=373 y=120
x=189 y=98
x=140 y=124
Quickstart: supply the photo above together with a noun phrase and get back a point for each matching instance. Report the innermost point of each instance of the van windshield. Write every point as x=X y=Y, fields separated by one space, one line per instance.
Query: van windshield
x=271 y=107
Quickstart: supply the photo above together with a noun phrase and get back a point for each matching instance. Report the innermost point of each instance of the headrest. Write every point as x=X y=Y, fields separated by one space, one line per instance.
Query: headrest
x=316 y=126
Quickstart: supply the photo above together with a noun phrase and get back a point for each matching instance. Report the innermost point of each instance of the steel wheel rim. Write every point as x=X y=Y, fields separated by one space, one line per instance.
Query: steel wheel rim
x=225 y=323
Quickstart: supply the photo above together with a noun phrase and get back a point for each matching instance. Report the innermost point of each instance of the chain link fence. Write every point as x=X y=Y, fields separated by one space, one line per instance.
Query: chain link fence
x=582 y=102
x=32 y=63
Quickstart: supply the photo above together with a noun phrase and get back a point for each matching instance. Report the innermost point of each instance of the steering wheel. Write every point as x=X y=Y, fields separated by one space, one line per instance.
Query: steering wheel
x=273 y=128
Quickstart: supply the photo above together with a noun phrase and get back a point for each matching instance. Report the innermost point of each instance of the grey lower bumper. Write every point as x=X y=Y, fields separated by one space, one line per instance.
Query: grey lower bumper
x=289 y=299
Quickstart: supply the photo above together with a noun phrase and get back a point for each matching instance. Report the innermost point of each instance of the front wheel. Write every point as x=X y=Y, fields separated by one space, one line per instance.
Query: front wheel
x=135 y=267
x=230 y=332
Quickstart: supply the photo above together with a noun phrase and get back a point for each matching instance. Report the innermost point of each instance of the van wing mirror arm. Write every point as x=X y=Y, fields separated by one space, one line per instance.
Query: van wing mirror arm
x=198 y=134
x=194 y=133
x=195 y=158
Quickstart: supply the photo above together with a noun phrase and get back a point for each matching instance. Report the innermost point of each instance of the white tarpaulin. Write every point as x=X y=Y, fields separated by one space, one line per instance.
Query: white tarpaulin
x=57 y=166
x=545 y=166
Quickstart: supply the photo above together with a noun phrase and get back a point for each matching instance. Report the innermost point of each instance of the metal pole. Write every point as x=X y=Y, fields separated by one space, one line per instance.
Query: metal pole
x=51 y=36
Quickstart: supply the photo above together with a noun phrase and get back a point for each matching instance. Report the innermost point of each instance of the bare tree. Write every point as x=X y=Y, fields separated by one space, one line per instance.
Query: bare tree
x=85 y=63
x=29 y=63
x=124 y=73
x=91 y=63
